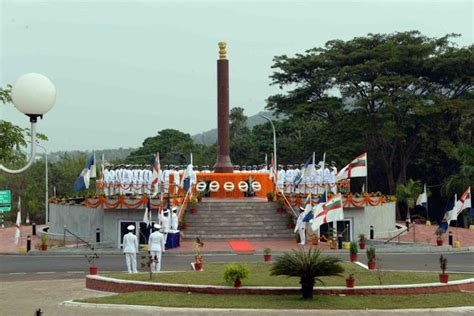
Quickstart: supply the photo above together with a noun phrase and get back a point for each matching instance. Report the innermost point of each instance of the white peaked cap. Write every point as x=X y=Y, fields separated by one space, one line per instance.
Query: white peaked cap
x=157 y=226
x=174 y=208
x=130 y=227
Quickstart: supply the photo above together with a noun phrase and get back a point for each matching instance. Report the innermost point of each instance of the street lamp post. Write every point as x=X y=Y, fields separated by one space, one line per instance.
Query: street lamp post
x=274 y=141
x=34 y=95
x=46 y=192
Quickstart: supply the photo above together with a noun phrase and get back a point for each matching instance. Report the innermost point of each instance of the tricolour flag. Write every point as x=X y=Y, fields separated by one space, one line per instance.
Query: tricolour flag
x=358 y=167
x=327 y=212
x=18 y=222
x=422 y=198
x=89 y=171
x=463 y=203
x=156 y=174
x=310 y=215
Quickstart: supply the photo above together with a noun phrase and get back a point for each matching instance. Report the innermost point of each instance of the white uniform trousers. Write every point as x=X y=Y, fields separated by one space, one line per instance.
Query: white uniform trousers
x=302 y=232
x=131 y=260
x=156 y=264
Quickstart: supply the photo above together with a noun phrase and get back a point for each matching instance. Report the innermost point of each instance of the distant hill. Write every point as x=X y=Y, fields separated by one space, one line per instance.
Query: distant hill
x=210 y=137
x=109 y=154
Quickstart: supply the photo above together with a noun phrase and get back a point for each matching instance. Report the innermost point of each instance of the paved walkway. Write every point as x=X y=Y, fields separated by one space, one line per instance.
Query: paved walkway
x=424 y=235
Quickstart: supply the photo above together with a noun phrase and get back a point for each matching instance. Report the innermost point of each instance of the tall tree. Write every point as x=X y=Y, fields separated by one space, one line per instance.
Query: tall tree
x=392 y=86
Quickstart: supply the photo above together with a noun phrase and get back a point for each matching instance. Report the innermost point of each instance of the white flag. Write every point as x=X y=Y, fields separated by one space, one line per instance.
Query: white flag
x=18 y=223
x=422 y=198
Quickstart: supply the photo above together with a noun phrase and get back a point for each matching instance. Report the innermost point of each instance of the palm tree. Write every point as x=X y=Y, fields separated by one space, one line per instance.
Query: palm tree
x=459 y=181
x=309 y=266
x=408 y=193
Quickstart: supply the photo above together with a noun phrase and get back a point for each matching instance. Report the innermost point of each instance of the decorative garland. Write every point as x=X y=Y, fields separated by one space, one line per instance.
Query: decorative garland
x=349 y=200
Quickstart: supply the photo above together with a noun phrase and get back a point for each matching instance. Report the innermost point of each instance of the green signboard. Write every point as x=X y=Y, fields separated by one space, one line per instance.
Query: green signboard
x=5 y=197
x=5 y=208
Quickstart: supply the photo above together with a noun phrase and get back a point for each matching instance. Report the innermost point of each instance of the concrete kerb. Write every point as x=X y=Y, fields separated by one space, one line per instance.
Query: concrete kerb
x=410 y=250
x=206 y=311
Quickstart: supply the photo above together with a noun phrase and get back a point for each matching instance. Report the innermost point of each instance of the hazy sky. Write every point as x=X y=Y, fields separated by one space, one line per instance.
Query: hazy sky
x=126 y=69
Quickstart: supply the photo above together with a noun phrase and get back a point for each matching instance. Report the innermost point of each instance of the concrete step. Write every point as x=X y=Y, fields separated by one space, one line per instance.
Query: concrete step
x=272 y=228
x=240 y=236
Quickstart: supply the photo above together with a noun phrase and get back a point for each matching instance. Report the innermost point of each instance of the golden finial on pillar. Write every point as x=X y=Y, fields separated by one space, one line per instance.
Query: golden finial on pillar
x=222 y=50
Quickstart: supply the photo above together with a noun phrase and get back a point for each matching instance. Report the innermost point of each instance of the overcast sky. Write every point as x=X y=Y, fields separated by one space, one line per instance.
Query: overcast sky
x=126 y=69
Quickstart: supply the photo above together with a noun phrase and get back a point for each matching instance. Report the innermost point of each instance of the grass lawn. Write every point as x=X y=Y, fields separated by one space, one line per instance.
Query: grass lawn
x=260 y=276
x=172 y=299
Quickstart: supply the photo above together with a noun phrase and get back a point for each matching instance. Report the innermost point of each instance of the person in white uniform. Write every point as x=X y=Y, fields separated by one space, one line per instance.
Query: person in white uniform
x=176 y=179
x=280 y=178
x=174 y=218
x=130 y=249
x=156 y=246
x=165 y=223
x=300 y=226
x=332 y=178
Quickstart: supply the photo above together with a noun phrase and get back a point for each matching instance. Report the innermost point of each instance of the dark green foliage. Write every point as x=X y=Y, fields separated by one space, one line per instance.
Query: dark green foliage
x=309 y=266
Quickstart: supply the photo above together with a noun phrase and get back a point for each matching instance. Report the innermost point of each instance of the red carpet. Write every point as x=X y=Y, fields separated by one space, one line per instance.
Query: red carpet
x=241 y=246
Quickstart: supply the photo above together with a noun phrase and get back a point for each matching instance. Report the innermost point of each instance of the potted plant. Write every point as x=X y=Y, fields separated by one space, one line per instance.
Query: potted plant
x=350 y=281
x=198 y=244
x=281 y=207
x=290 y=223
x=270 y=196
x=91 y=260
x=199 y=196
x=184 y=225
x=235 y=273
x=267 y=254
x=353 y=251
x=443 y=262
x=44 y=242
x=439 y=237
x=362 y=240
x=371 y=258
x=193 y=203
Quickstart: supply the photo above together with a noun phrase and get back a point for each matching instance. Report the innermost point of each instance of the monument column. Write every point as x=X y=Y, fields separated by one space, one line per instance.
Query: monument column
x=223 y=164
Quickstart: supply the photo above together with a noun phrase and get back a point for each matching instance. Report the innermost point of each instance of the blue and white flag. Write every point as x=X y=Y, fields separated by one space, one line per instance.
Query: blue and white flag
x=422 y=198
x=306 y=170
x=82 y=183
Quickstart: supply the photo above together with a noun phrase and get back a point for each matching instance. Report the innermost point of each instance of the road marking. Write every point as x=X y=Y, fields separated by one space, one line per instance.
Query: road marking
x=72 y=272
x=362 y=265
x=45 y=272
x=16 y=273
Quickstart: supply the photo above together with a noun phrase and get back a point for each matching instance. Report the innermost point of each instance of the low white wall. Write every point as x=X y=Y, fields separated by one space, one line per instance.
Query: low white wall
x=382 y=217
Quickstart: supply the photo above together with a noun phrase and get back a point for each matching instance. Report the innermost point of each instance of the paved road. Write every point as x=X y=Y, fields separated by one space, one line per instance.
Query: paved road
x=13 y=267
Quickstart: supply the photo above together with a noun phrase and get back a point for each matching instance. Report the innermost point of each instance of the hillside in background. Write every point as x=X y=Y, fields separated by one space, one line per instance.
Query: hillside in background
x=210 y=137
x=109 y=154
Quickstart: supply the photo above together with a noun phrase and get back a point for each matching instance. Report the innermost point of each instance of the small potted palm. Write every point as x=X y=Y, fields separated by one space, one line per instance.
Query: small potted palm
x=193 y=202
x=270 y=196
x=362 y=240
x=350 y=281
x=235 y=273
x=44 y=242
x=198 y=263
x=443 y=262
x=92 y=266
x=371 y=258
x=439 y=237
x=267 y=254
x=353 y=251
x=199 y=196
x=291 y=223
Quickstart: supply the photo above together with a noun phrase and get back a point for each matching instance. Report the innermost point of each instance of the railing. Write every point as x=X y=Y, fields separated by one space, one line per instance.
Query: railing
x=77 y=239
x=287 y=202
x=397 y=235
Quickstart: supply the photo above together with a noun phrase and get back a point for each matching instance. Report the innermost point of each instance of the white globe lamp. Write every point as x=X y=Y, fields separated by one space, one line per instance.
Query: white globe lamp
x=33 y=94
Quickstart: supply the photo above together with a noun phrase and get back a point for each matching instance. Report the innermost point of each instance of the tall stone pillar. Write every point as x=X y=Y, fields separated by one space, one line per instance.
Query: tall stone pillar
x=223 y=164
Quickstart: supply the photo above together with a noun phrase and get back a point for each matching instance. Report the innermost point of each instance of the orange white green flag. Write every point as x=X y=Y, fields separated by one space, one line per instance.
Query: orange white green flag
x=356 y=168
x=330 y=211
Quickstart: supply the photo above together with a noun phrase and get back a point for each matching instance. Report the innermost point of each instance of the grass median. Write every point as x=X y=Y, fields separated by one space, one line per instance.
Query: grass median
x=173 y=299
x=260 y=276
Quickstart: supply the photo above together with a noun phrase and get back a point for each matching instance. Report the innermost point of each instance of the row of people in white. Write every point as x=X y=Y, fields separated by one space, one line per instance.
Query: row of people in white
x=313 y=182
x=127 y=179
